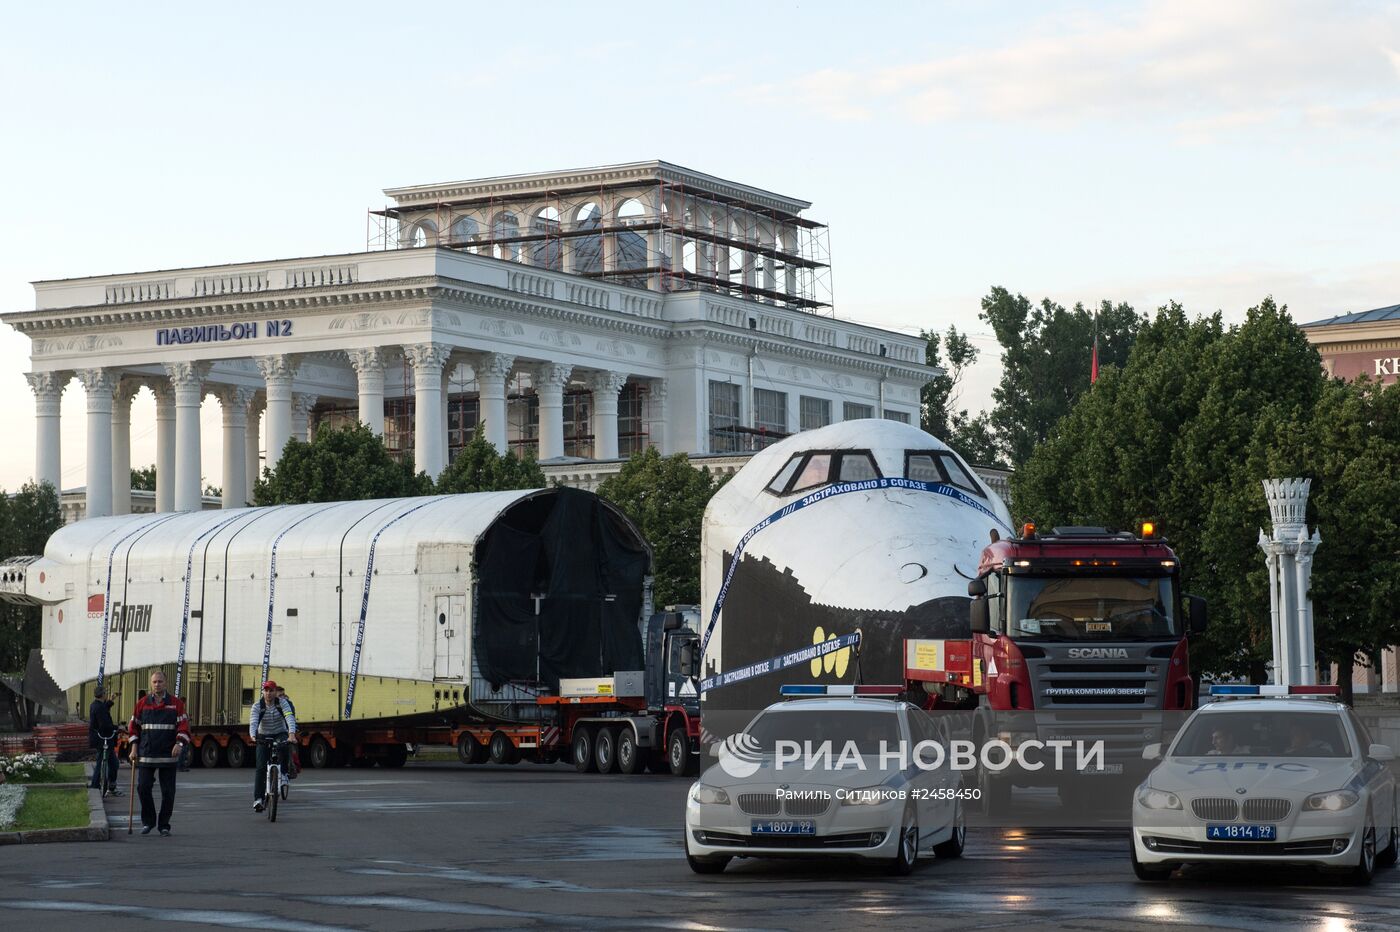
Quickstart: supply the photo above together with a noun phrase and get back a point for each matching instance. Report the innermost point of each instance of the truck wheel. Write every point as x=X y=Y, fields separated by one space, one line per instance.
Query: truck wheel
x=605 y=750
x=629 y=756
x=210 y=754
x=996 y=793
x=318 y=755
x=397 y=756
x=678 y=756
x=470 y=750
x=237 y=753
x=502 y=750
x=583 y=751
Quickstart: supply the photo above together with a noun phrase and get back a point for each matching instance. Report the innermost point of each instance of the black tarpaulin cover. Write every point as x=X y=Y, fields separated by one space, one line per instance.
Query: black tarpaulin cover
x=587 y=565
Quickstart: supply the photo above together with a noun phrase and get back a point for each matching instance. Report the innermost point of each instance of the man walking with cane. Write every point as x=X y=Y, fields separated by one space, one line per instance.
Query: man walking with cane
x=159 y=732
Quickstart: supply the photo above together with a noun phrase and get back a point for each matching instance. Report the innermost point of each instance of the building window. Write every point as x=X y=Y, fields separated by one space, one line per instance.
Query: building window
x=769 y=417
x=631 y=437
x=523 y=423
x=851 y=411
x=463 y=416
x=816 y=412
x=900 y=416
x=463 y=230
x=398 y=427
x=724 y=417
x=578 y=424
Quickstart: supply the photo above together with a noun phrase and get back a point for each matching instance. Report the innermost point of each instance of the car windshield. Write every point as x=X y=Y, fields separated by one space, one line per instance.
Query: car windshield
x=1091 y=608
x=1263 y=734
x=866 y=729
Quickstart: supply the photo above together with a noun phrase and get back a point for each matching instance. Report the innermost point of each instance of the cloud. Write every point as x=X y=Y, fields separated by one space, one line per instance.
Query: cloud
x=1203 y=66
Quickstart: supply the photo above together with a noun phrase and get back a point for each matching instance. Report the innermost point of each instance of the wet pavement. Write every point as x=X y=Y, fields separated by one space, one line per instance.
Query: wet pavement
x=440 y=846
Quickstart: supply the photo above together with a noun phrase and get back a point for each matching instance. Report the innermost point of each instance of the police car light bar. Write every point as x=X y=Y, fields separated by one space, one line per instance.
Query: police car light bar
x=839 y=690
x=1237 y=690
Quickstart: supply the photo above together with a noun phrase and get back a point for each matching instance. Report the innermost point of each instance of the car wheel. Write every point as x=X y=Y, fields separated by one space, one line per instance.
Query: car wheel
x=583 y=751
x=953 y=847
x=605 y=750
x=907 y=854
x=1365 y=867
x=629 y=756
x=715 y=865
x=1388 y=857
x=1148 y=873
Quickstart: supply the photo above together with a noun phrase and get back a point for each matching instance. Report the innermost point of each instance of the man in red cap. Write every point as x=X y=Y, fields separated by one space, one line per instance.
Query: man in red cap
x=272 y=720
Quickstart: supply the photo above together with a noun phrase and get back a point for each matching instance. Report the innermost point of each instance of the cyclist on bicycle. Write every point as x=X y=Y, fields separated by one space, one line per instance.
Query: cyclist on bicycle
x=272 y=720
x=101 y=728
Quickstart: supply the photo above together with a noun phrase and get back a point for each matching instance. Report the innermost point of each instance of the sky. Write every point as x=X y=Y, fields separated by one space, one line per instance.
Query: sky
x=1205 y=152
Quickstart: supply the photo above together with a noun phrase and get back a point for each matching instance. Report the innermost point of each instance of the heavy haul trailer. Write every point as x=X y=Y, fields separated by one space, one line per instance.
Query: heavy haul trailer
x=390 y=622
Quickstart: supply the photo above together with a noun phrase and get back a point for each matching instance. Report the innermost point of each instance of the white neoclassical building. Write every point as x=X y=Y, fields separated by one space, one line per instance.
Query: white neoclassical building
x=580 y=314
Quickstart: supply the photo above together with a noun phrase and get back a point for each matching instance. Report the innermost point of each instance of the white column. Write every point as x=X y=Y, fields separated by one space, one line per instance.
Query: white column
x=121 y=445
x=549 y=380
x=48 y=396
x=187 y=378
x=446 y=391
x=429 y=441
x=99 y=384
x=492 y=372
x=658 y=433
x=368 y=364
x=302 y=404
x=252 y=470
x=1307 y=660
x=605 y=387
x=278 y=372
x=235 y=409
x=165 y=445
x=1271 y=563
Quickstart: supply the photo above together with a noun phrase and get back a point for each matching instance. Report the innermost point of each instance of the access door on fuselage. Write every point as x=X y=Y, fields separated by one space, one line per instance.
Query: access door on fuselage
x=450 y=627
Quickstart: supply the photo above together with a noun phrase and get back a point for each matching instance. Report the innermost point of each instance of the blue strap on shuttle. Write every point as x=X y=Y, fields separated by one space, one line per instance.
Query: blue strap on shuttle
x=107 y=593
x=792 y=659
x=842 y=488
x=189 y=580
x=364 y=600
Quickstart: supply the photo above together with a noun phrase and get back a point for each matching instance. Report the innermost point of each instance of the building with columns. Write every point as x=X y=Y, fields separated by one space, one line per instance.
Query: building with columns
x=582 y=315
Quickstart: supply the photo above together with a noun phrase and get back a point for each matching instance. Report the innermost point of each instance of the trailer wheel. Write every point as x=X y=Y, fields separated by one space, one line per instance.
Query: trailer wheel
x=605 y=750
x=502 y=750
x=396 y=757
x=678 y=756
x=583 y=751
x=237 y=753
x=470 y=750
x=629 y=756
x=319 y=754
x=210 y=754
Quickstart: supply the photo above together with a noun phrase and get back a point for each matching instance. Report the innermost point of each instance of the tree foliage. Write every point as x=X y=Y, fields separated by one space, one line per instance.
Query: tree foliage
x=970 y=436
x=346 y=463
x=666 y=497
x=27 y=519
x=144 y=478
x=480 y=468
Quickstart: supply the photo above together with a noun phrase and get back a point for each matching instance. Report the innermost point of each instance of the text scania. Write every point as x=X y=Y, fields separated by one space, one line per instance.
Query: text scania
x=995 y=755
x=220 y=333
x=1098 y=653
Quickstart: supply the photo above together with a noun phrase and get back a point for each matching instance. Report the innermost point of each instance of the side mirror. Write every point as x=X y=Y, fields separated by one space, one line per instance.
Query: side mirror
x=1196 y=608
x=1381 y=752
x=977 y=587
x=690 y=661
x=1152 y=752
x=981 y=616
x=672 y=621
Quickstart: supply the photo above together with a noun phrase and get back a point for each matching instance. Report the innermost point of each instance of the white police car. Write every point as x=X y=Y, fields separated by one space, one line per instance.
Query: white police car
x=1274 y=775
x=768 y=797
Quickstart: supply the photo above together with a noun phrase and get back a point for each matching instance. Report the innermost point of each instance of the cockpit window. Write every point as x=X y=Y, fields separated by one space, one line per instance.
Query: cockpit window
x=816 y=471
x=784 y=476
x=813 y=469
x=858 y=467
x=940 y=466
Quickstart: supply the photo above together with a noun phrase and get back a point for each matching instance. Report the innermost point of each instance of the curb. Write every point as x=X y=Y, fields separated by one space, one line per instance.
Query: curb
x=96 y=830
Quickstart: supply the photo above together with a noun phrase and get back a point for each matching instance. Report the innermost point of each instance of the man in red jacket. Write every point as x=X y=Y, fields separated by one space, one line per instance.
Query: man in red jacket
x=159 y=732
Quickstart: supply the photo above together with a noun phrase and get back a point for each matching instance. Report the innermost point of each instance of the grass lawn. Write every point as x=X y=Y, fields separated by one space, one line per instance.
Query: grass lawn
x=45 y=808
x=66 y=773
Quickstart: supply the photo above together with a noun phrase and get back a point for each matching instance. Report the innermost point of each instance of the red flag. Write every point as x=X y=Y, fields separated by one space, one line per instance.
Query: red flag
x=1094 y=366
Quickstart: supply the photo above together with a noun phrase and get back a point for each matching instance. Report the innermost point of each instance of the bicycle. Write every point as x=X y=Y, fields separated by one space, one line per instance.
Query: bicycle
x=275 y=787
x=105 y=783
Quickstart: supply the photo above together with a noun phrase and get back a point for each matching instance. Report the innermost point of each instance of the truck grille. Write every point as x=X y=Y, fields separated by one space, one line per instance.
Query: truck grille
x=1266 y=810
x=759 y=803
x=1068 y=685
x=805 y=807
x=1215 y=809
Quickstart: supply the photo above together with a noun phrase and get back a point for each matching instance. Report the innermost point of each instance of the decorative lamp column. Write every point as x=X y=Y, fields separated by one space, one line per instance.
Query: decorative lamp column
x=99 y=384
x=1288 y=556
x=252 y=471
x=48 y=396
x=235 y=403
x=549 y=380
x=165 y=445
x=121 y=445
x=187 y=378
x=492 y=372
x=605 y=387
x=429 y=440
x=368 y=364
x=278 y=372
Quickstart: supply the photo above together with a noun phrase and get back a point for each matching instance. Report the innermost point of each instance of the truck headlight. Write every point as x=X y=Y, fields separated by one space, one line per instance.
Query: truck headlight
x=1158 y=799
x=709 y=795
x=1334 y=801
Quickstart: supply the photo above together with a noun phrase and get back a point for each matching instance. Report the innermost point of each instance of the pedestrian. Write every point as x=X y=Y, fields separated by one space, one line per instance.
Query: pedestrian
x=270 y=722
x=159 y=732
x=101 y=726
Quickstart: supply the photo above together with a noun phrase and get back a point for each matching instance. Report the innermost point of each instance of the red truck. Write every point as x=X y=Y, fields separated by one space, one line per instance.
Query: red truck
x=1080 y=633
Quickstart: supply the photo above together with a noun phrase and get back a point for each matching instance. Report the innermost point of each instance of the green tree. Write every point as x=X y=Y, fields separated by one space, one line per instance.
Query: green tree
x=345 y=463
x=27 y=519
x=970 y=436
x=666 y=497
x=1046 y=361
x=144 y=478
x=480 y=468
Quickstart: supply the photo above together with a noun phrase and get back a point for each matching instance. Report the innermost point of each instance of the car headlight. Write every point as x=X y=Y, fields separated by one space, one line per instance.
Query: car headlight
x=1334 y=801
x=869 y=796
x=1158 y=799
x=709 y=795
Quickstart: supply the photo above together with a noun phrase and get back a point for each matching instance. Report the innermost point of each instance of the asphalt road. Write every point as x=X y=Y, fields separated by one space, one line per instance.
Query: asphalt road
x=441 y=846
